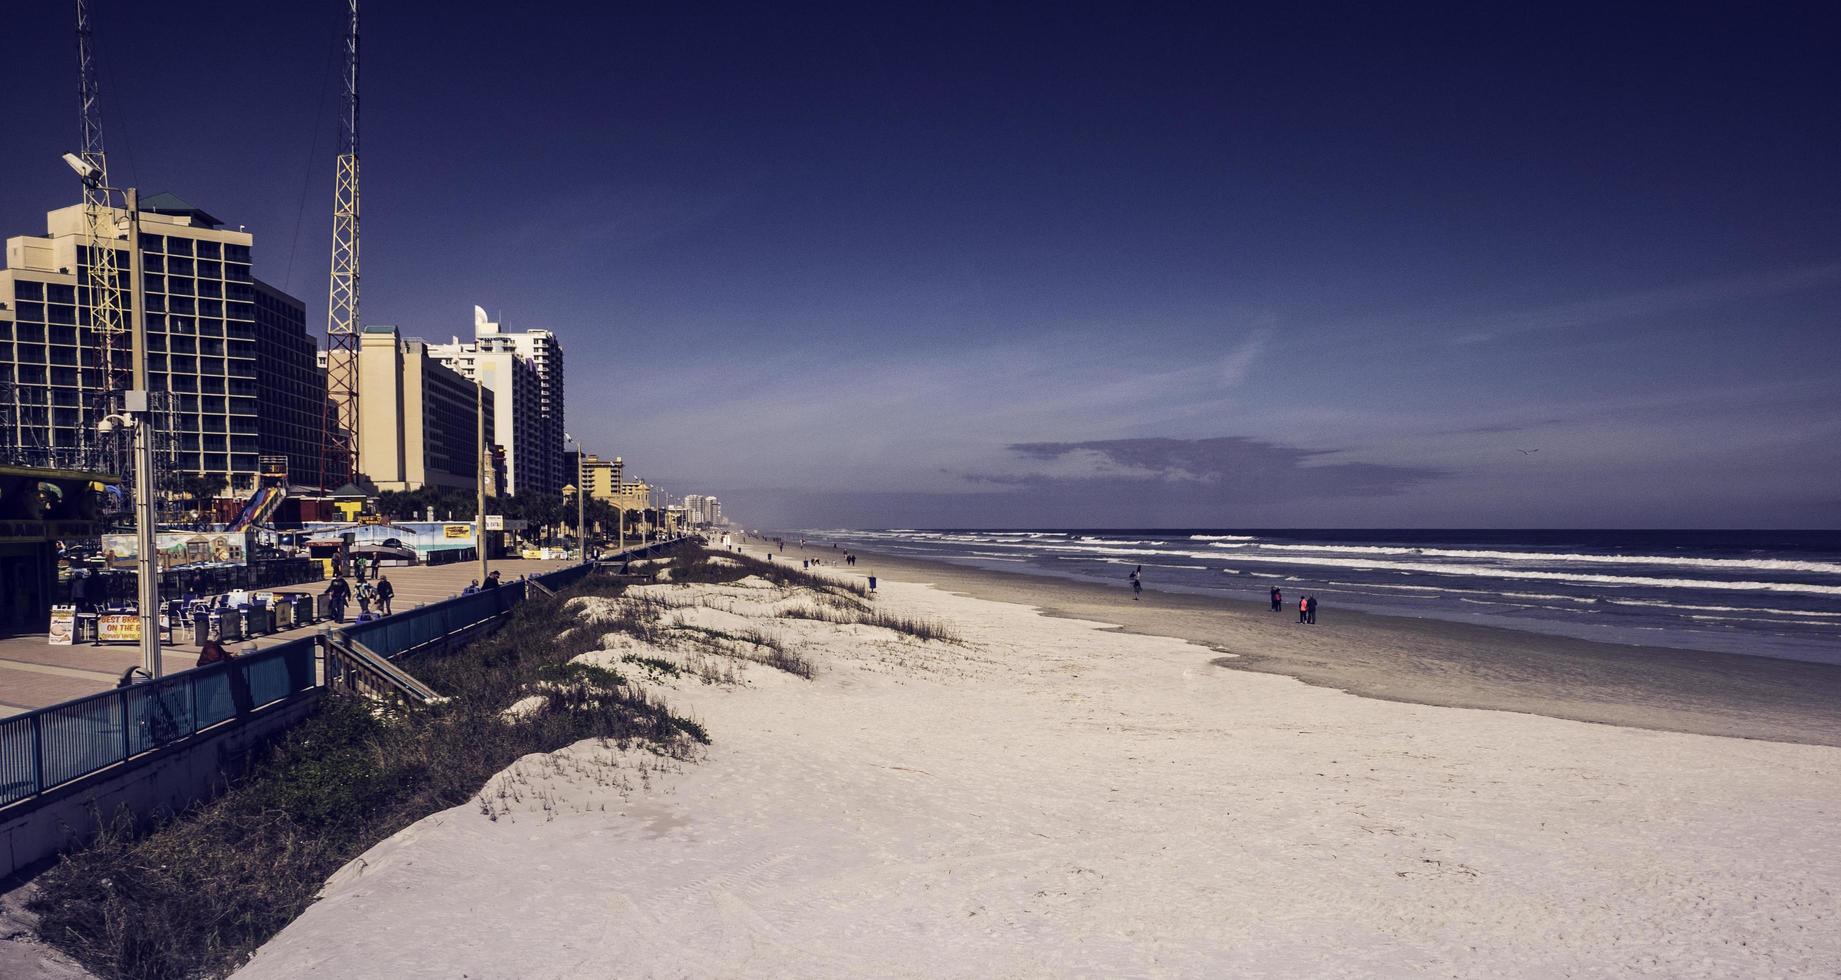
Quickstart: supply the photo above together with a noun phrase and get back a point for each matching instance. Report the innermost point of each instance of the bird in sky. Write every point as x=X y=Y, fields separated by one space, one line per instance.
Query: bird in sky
x=1527 y=452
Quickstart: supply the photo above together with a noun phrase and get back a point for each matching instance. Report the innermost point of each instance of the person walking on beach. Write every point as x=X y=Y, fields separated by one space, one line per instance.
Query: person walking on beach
x=1312 y=603
x=1137 y=583
x=385 y=592
x=1303 y=608
x=1278 y=599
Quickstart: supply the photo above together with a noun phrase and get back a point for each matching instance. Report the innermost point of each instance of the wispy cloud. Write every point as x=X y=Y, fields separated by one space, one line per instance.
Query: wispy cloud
x=1652 y=302
x=1232 y=468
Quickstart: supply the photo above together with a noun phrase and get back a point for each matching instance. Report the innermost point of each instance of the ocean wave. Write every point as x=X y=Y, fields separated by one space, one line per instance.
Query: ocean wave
x=1790 y=618
x=1749 y=609
x=1670 y=561
x=1222 y=537
x=1526 y=574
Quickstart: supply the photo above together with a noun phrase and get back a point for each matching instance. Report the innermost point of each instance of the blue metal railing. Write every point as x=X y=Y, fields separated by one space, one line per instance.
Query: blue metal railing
x=44 y=749
x=52 y=746
x=412 y=629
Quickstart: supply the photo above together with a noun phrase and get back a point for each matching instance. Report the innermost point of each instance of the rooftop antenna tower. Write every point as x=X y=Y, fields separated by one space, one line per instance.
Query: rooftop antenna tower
x=339 y=441
x=103 y=270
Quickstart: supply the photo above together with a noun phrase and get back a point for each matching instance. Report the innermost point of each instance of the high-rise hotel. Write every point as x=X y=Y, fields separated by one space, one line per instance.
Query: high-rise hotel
x=232 y=352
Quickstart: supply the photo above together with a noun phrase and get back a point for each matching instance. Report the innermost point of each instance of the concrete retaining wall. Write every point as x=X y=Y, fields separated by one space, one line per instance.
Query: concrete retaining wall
x=170 y=779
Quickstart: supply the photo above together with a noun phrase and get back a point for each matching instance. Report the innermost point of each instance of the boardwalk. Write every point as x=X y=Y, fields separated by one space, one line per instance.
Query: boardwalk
x=34 y=673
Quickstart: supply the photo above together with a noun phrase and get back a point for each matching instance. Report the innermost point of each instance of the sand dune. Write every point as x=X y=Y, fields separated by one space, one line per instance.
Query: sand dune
x=1053 y=798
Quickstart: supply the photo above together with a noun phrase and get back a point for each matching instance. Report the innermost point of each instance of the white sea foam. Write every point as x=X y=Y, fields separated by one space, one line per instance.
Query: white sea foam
x=1541 y=557
x=1527 y=574
x=1222 y=537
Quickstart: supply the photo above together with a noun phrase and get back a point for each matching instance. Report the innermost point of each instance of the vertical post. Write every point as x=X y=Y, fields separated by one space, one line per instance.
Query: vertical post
x=581 y=504
x=140 y=400
x=127 y=744
x=38 y=754
x=485 y=461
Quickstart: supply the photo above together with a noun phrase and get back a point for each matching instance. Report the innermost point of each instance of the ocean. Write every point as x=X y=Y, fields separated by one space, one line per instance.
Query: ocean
x=1759 y=593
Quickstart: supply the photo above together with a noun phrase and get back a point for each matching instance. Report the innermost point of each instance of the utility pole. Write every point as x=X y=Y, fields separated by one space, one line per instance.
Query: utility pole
x=138 y=417
x=485 y=464
x=581 y=504
x=140 y=400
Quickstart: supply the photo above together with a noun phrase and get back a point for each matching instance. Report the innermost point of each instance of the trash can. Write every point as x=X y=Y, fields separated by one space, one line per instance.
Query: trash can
x=227 y=624
x=304 y=611
x=256 y=619
x=201 y=626
x=281 y=609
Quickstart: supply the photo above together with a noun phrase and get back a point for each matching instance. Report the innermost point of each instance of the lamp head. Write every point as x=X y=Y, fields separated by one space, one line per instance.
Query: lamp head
x=90 y=173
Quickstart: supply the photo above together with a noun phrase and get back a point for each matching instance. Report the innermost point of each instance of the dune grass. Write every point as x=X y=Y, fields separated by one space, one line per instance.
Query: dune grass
x=199 y=892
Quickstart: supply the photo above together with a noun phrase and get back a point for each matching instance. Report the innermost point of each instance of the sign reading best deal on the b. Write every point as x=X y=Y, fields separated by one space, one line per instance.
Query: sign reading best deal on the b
x=117 y=628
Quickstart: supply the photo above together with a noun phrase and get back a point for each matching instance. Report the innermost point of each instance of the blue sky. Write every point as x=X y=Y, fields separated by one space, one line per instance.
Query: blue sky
x=1331 y=265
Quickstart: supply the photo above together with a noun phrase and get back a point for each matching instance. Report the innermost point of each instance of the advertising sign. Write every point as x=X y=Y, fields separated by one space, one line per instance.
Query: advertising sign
x=119 y=628
x=495 y=522
x=456 y=530
x=63 y=625
x=178 y=549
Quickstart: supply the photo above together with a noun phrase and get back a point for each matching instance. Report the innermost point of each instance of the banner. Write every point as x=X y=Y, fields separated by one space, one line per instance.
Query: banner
x=457 y=530
x=178 y=549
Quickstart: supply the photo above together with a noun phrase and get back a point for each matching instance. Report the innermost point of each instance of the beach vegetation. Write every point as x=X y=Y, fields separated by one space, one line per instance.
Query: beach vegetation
x=919 y=627
x=197 y=892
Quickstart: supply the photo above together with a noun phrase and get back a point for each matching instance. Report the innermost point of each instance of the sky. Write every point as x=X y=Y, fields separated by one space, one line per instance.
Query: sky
x=1134 y=265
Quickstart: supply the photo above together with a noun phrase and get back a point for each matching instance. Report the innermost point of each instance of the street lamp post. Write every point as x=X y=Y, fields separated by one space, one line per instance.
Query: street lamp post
x=581 y=498
x=485 y=464
x=137 y=417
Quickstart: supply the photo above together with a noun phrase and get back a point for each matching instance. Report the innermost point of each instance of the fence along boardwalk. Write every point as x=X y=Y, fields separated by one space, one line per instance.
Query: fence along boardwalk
x=55 y=746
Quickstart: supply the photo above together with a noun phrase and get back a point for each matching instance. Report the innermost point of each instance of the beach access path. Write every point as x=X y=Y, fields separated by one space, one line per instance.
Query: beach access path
x=33 y=673
x=1426 y=661
x=1052 y=797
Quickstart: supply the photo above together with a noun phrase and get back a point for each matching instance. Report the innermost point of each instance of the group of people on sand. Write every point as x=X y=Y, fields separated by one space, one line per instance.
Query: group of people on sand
x=1307 y=606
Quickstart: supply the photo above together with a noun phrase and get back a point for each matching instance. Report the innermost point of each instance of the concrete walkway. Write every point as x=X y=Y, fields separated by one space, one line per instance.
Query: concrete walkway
x=34 y=673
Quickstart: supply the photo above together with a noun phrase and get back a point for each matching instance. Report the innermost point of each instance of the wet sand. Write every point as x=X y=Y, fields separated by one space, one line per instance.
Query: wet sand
x=1432 y=662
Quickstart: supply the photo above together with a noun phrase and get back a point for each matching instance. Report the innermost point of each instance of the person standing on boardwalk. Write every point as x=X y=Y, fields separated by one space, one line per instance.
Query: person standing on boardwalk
x=1312 y=603
x=385 y=592
x=366 y=592
x=1137 y=583
x=1303 y=609
x=337 y=592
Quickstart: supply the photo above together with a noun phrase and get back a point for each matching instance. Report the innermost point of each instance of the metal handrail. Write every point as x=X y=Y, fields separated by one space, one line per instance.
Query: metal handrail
x=52 y=746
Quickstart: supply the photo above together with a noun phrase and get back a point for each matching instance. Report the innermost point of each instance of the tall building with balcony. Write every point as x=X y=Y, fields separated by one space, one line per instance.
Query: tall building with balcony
x=546 y=354
x=204 y=331
x=517 y=424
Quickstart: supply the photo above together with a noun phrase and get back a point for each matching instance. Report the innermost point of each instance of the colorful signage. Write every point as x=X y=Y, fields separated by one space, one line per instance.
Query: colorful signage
x=178 y=549
x=119 y=628
x=63 y=625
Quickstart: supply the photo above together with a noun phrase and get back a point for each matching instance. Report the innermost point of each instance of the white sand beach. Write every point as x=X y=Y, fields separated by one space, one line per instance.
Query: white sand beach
x=1048 y=797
